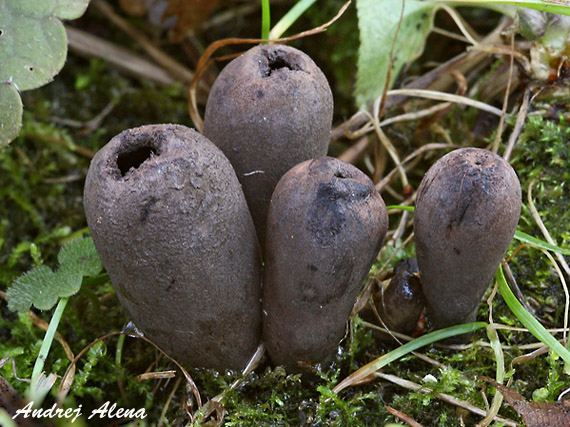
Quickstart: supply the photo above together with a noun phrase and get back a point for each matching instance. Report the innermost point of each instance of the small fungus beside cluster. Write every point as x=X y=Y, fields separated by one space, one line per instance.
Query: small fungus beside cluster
x=467 y=211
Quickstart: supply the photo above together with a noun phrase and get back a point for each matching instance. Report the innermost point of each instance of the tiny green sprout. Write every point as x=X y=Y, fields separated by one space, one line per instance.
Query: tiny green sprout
x=43 y=288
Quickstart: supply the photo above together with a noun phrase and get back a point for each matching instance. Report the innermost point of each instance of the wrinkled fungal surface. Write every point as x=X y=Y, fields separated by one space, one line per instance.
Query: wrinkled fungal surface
x=467 y=211
x=325 y=227
x=268 y=110
x=171 y=225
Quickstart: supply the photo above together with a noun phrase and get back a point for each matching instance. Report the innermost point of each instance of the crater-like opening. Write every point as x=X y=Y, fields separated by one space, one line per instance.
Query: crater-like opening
x=133 y=159
x=276 y=61
x=340 y=174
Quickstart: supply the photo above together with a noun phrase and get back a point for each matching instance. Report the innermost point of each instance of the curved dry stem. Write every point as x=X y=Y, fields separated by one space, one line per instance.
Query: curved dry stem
x=63 y=391
x=521 y=118
x=65 y=385
x=460 y=24
x=444 y=96
x=506 y=98
x=561 y=259
x=385 y=141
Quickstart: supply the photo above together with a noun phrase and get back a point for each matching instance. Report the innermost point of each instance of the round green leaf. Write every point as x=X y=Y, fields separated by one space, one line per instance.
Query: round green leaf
x=34 y=287
x=31 y=8
x=70 y=9
x=80 y=257
x=33 y=49
x=10 y=113
x=33 y=41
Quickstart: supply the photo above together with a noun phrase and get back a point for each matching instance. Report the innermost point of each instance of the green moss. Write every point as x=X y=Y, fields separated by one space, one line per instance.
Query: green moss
x=543 y=158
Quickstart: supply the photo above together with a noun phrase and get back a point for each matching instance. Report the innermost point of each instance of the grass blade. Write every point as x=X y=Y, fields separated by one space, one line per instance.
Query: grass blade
x=526 y=238
x=528 y=320
x=265 y=19
x=400 y=207
x=422 y=341
x=289 y=18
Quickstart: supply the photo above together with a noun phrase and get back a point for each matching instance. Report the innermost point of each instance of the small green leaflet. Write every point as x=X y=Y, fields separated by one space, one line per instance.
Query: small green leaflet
x=42 y=287
x=378 y=23
x=33 y=49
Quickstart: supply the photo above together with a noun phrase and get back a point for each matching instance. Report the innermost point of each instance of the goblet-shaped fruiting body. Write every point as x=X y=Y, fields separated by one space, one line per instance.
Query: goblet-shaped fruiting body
x=171 y=225
x=325 y=228
x=467 y=210
x=268 y=110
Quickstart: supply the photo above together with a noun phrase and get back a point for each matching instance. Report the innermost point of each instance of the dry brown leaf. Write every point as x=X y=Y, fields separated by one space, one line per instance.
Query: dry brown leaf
x=535 y=414
x=190 y=14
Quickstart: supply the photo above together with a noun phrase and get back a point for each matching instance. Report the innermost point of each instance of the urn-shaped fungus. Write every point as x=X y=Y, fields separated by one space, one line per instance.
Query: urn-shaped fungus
x=467 y=210
x=268 y=110
x=171 y=225
x=401 y=303
x=325 y=228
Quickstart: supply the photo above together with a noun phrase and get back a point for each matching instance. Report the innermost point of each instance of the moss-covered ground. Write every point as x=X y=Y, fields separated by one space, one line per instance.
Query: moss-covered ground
x=41 y=182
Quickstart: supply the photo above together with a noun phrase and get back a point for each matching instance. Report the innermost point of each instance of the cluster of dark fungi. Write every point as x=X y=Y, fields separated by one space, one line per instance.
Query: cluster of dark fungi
x=249 y=233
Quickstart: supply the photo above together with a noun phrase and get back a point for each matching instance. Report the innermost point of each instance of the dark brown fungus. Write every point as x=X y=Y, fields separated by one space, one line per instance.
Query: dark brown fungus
x=171 y=225
x=467 y=210
x=325 y=228
x=402 y=302
x=268 y=110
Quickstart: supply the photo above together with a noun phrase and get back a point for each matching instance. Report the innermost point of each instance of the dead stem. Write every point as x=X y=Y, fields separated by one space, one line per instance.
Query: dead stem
x=450 y=97
x=461 y=24
x=410 y=385
x=561 y=259
x=506 y=98
x=87 y=45
x=405 y=418
x=355 y=152
x=521 y=118
x=432 y=146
